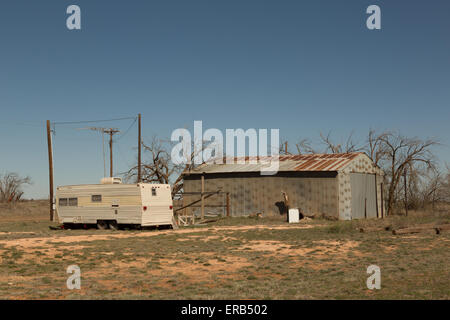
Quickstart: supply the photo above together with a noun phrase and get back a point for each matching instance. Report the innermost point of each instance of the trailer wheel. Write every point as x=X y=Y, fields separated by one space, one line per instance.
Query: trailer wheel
x=102 y=225
x=113 y=225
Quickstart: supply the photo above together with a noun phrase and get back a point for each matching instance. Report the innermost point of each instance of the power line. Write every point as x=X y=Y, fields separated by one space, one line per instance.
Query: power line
x=110 y=132
x=129 y=128
x=34 y=124
x=91 y=121
x=38 y=124
x=121 y=159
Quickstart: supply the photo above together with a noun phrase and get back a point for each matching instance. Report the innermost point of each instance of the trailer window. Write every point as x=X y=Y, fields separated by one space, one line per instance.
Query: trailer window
x=153 y=191
x=73 y=202
x=63 y=202
x=96 y=198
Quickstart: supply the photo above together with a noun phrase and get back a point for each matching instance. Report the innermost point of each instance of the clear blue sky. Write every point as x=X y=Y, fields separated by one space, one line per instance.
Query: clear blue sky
x=301 y=66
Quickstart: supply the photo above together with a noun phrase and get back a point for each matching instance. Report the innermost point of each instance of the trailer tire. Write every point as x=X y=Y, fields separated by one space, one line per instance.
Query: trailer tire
x=102 y=225
x=113 y=225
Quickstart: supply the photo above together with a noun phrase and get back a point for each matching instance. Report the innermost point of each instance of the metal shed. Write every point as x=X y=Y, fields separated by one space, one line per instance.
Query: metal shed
x=345 y=186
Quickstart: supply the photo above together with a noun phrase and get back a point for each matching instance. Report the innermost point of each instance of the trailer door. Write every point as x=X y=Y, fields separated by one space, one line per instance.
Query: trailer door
x=157 y=204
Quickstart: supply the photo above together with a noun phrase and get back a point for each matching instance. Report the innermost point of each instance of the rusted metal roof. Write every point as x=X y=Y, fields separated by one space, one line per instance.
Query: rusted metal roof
x=303 y=162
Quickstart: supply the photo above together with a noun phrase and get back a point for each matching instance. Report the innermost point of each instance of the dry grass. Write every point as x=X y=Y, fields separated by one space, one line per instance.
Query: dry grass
x=32 y=210
x=236 y=258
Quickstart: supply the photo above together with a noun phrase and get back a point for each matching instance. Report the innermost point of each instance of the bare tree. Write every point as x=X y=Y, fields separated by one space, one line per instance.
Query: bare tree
x=159 y=168
x=349 y=146
x=415 y=174
x=283 y=150
x=436 y=188
x=400 y=153
x=305 y=146
x=446 y=186
x=396 y=154
x=375 y=148
x=11 y=185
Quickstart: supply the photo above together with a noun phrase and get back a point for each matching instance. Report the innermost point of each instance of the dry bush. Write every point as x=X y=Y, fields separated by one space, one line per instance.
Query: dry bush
x=11 y=185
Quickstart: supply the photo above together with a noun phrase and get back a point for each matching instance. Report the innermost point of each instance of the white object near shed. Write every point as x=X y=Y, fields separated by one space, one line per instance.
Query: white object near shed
x=294 y=216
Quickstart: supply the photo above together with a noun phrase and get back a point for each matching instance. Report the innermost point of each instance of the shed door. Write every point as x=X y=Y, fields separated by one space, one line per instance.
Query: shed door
x=363 y=195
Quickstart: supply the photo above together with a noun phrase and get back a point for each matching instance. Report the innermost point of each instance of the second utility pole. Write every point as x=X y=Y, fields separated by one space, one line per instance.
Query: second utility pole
x=111 y=132
x=139 y=149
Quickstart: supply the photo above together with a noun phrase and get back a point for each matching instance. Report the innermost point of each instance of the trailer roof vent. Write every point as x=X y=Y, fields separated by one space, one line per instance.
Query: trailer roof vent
x=111 y=181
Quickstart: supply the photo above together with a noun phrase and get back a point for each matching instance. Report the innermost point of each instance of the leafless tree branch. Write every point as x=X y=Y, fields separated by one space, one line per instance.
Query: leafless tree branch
x=11 y=185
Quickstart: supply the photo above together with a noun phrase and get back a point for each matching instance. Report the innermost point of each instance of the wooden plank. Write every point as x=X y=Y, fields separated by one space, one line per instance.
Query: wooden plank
x=418 y=229
x=444 y=227
x=374 y=229
x=228 y=204
x=196 y=201
x=203 y=197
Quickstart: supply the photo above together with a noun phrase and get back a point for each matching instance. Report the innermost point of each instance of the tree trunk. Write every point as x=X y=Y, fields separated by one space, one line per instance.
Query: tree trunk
x=391 y=199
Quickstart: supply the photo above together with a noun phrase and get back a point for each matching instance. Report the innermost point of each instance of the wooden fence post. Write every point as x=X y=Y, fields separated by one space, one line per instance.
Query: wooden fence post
x=228 y=204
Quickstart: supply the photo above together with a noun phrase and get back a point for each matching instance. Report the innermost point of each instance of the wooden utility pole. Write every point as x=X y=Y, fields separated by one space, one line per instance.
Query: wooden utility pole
x=139 y=149
x=111 y=132
x=286 y=204
x=203 y=196
x=286 y=147
x=406 y=193
x=50 y=167
x=110 y=153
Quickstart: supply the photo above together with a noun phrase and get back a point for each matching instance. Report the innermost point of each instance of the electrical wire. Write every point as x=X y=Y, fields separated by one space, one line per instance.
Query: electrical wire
x=92 y=121
x=53 y=134
x=126 y=131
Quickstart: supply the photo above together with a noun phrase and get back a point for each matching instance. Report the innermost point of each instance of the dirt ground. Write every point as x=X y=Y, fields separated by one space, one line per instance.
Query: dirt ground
x=234 y=258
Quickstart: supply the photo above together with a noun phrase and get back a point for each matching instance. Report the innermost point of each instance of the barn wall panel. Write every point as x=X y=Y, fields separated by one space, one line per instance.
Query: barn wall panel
x=262 y=194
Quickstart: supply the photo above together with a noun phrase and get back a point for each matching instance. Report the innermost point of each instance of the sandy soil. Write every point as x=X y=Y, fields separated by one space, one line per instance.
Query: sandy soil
x=43 y=241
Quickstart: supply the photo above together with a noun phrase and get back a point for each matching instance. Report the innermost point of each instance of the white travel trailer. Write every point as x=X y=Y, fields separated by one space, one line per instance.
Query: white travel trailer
x=111 y=204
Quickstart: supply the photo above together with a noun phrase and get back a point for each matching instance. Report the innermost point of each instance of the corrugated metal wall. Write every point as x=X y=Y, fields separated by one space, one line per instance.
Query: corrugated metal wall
x=254 y=194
